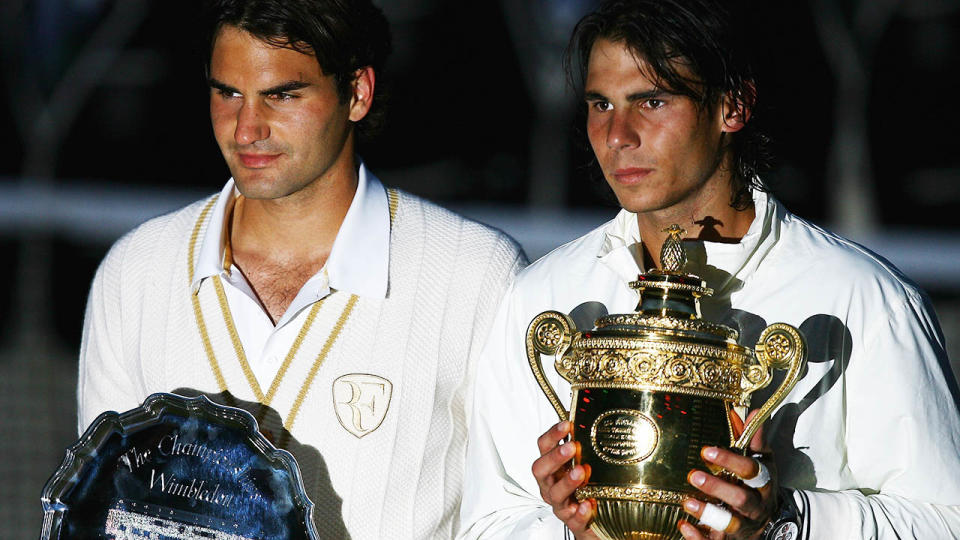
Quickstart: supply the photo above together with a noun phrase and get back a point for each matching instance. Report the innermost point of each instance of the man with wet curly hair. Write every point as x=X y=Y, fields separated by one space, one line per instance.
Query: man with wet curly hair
x=866 y=444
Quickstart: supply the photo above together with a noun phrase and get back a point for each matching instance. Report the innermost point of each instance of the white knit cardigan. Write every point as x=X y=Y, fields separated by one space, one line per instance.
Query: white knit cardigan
x=403 y=479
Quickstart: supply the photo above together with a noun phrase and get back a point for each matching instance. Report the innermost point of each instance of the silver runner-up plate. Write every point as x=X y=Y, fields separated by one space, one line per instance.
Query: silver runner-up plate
x=176 y=468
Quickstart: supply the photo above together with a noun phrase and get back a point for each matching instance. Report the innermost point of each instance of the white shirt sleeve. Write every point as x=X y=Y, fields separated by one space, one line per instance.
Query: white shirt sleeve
x=851 y=514
x=501 y=498
x=901 y=436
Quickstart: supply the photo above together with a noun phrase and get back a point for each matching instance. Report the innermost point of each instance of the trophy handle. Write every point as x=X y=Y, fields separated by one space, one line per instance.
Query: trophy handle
x=549 y=333
x=780 y=347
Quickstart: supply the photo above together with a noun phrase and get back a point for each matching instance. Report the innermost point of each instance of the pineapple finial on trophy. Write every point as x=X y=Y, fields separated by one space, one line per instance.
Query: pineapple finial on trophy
x=669 y=291
x=673 y=258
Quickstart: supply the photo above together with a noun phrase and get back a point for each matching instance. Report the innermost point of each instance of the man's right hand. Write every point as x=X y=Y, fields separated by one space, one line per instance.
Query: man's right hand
x=557 y=480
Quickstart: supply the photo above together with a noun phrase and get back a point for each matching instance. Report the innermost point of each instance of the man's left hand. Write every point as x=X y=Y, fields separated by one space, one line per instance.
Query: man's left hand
x=750 y=508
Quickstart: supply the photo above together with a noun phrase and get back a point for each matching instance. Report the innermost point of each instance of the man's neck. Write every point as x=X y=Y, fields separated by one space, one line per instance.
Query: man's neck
x=279 y=244
x=292 y=228
x=716 y=221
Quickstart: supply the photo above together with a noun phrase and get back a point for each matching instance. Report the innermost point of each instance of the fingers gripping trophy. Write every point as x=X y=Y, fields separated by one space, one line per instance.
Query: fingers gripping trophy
x=650 y=389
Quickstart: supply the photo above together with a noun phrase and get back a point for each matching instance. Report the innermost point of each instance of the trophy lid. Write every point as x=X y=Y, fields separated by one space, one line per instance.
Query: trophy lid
x=669 y=300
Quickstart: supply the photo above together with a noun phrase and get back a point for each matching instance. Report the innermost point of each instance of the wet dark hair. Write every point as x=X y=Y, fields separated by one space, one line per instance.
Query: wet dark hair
x=693 y=49
x=343 y=35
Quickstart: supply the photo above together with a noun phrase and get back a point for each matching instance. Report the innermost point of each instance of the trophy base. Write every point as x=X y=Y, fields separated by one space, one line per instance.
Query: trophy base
x=617 y=519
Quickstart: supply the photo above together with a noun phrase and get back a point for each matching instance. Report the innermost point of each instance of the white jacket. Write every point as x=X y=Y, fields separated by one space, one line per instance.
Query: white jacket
x=869 y=438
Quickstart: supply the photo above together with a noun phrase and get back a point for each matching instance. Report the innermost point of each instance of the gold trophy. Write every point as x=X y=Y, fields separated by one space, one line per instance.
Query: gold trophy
x=650 y=389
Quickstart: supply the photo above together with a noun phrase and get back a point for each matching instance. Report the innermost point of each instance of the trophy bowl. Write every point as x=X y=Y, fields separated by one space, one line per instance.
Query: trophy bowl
x=650 y=389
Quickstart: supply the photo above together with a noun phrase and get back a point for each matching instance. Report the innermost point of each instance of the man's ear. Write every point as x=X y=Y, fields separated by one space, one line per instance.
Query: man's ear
x=362 y=93
x=736 y=110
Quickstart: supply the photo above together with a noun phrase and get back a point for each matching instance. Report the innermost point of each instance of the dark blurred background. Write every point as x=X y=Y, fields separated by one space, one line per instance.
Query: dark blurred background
x=104 y=124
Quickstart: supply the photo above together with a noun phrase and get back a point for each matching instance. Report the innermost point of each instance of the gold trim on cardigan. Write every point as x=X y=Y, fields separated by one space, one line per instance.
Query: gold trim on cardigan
x=265 y=400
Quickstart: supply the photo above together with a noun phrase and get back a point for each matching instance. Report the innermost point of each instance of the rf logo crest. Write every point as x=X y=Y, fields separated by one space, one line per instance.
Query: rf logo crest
x=361 y=401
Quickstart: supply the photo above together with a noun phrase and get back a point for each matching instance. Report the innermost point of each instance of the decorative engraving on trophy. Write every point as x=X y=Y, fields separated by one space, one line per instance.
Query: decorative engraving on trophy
x=624 y=436
x=711 y=374
x=640 y=494
x=567 y=366
x=695 y=433
x=171 y=485
x=778 y=346
x=130 y=520
x=654 y=369
x=669 y=323
x=673 y=257
x=549 y=334
x=160 y=473
x=678 y=370
x=134 y=458
x=361 y=401
x=163 y=479
x=732 y=355
x=754 y=374
x=171 y=445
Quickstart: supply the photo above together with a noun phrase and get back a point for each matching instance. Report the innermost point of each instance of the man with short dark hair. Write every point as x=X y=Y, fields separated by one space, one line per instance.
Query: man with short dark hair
x=866 y=444
x=346 y=317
